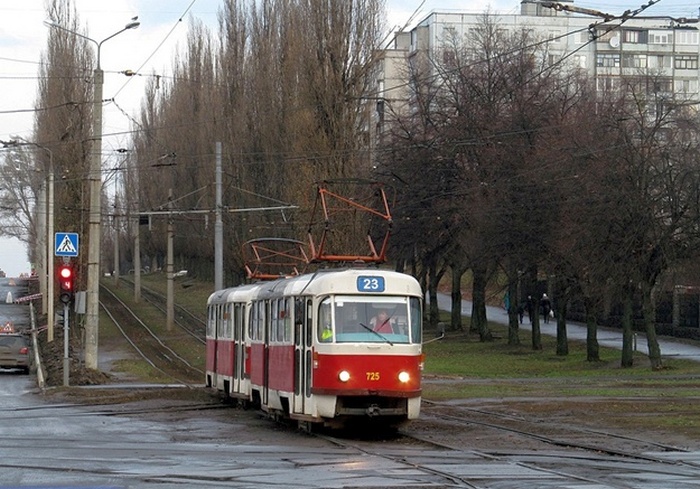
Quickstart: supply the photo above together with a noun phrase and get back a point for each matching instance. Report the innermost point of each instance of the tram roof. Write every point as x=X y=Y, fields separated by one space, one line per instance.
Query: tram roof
x=239 y=293
x=330 y=280
x=339 y=281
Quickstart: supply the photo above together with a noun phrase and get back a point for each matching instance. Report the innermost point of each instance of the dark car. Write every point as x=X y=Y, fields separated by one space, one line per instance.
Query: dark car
x=15 y=352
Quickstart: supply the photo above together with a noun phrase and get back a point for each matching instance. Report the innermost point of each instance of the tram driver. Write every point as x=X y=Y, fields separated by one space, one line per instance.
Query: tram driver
x=381 y=323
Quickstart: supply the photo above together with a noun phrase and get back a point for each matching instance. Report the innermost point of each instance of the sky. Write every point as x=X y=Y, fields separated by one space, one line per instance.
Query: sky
x=150 y=49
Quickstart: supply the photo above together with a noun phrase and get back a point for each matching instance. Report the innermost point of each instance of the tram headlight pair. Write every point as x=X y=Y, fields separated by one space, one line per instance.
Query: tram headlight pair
x=404 y=377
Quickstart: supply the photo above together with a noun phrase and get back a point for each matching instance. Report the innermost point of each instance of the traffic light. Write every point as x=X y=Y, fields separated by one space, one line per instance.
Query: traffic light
x=66 y=283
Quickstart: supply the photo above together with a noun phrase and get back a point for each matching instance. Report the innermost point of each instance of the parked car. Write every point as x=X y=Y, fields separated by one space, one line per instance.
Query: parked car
x=15 y=352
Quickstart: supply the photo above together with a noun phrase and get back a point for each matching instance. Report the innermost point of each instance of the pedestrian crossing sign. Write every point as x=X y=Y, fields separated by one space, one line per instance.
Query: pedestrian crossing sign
x=66 y=244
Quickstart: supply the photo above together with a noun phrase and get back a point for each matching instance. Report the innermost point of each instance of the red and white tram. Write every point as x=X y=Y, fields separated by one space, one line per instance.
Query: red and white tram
x=311 y=347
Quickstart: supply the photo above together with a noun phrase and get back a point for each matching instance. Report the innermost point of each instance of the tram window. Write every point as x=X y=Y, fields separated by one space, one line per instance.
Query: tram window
x=286 y=318
x=211 y=323
x=228 y=317
x=298 y=321
x=237 y=321
x=262 y=319
x=416 y=321
x=359 y=319
x=309 y=322
x=257 y=320
x=279 y=322
x=274 y=320
x=251 y=321
x=325 y=333
x=220 y=326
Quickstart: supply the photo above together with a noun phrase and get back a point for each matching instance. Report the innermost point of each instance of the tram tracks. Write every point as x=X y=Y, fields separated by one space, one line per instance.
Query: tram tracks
x=546 y=432
x=572 y=454
x=184 y=319
x=565 y=449
x=148 y=343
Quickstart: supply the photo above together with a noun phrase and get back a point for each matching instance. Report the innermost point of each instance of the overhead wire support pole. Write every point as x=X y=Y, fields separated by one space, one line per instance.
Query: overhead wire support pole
x=218 y=227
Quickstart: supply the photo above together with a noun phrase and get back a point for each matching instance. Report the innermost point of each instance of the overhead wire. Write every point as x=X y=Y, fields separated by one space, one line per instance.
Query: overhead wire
x=160 y=45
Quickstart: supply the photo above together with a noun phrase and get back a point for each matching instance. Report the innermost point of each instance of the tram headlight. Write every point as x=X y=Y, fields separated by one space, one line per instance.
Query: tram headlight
x=344 y=376
x=404 y=377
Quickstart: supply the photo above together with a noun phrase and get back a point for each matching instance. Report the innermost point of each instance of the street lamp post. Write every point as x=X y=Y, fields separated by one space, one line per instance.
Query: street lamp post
x=95 y=189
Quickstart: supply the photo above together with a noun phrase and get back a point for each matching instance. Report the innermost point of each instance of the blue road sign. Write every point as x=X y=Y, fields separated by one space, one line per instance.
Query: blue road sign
x=66 y=244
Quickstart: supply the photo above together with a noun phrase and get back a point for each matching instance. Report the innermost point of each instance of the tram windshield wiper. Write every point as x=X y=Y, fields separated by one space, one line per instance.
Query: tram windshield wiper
x=377 y=333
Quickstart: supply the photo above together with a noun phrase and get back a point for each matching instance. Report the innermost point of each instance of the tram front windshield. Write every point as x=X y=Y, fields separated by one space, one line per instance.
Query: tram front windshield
x=363 y=319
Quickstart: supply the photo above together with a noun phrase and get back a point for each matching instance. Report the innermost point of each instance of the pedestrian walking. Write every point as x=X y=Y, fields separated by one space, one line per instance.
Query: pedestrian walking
x=545 y=307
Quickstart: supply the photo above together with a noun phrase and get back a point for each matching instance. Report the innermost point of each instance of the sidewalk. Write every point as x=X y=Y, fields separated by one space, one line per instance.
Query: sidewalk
x=576 y=331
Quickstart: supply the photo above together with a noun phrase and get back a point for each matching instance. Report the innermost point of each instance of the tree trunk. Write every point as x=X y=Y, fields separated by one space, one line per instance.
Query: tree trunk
x=592 y=347
x=536 y=333
x=433 y=311
x=456 y=317
x=479 y=322
x=627 y=360
x=650 y=328
x=562 y=339
x=513 y=313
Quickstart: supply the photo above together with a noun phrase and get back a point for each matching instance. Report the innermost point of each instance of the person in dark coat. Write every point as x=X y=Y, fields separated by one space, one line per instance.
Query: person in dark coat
x=521 y=310
x=545 y=307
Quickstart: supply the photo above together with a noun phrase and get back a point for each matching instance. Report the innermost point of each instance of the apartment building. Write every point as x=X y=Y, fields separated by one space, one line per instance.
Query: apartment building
x=658 y=48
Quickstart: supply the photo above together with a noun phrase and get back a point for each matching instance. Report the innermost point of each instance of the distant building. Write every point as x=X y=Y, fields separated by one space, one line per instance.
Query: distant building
x=656 y=47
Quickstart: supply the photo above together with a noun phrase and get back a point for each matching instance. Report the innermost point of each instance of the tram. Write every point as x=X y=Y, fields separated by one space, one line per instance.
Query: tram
x=325 y=347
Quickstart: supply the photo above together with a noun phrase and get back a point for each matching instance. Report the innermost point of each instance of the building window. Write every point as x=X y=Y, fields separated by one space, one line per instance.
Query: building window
x=580 y=61
x=608 y=60
x=687 y=38
x=634 y=61
x=634 y=37
x=660 y=37
x=686 y=62
x=449 y=58
x=686 y=86
x=663 y=85
x=607 y=83
x=659 y=61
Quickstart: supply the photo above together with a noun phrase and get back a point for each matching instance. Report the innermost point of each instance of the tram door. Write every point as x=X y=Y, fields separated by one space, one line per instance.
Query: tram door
x=303 y=361
x=266 y=352
x=238 y=346
x=212 y=349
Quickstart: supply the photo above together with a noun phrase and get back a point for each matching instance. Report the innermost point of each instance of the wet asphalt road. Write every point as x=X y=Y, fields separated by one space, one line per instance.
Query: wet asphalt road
x=17 y=313
x=44 y=444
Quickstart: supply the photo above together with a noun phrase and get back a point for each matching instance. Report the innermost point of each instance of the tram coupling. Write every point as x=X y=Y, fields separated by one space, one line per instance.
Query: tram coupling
x=373 y=411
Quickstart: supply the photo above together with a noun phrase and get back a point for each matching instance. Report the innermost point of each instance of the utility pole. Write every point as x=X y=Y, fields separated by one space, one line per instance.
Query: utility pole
x=115 y=273
x=218 y=227
x=169 y=273
x=137 y=260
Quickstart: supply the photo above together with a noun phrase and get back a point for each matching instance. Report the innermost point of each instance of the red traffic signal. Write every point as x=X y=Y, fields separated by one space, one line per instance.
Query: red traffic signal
x=66 y=283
